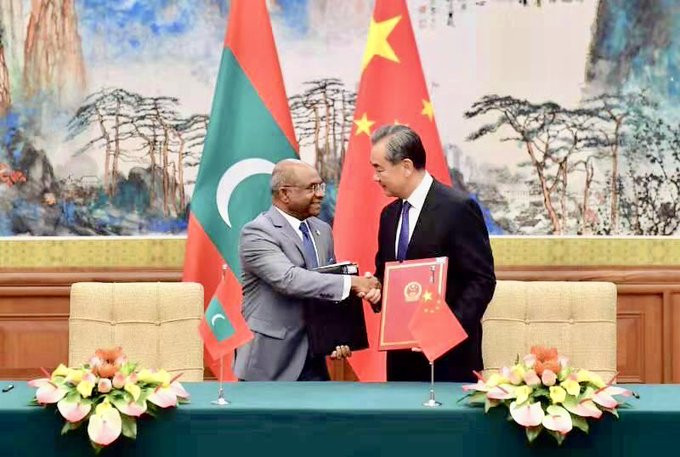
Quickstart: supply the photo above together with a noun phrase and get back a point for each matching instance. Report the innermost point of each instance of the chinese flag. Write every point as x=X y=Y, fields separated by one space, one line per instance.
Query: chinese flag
x=435 y=327
x=392 y=90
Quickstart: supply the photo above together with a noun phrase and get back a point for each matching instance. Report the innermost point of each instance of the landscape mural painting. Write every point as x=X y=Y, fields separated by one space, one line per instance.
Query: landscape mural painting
x=560 y=117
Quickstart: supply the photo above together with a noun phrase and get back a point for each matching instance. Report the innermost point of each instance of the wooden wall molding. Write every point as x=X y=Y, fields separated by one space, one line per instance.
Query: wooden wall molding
x=34 y=314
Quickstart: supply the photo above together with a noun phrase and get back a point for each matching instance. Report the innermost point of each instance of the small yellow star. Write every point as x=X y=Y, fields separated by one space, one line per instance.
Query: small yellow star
x=363 y=125
x=428 y=111
x=427 y=296
x=377 y=44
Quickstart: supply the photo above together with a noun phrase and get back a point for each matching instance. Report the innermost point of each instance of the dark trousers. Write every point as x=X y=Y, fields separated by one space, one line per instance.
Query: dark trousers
x=314 y=369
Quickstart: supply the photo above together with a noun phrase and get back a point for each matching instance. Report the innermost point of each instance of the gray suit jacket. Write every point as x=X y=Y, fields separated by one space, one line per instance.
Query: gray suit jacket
x=276 y=285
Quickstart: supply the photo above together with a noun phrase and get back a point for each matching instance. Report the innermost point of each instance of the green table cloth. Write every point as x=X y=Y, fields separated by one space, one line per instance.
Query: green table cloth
x=340 y=419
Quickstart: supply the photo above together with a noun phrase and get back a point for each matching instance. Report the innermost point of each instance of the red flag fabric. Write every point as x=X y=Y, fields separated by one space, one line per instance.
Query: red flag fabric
x=250 y=130
x=435 y=327
x=392 y=90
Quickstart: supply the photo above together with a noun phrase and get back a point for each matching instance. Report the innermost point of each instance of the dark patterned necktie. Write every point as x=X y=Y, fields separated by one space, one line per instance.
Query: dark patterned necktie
x=402 y=246
x=308 y=246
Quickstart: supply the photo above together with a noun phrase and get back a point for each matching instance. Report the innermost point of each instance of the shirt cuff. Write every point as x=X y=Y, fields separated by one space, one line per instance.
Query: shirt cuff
x=346 y=286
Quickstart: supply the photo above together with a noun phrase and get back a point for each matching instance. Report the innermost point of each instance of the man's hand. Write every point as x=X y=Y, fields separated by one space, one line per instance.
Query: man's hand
x=341 y=352
x=367 y=287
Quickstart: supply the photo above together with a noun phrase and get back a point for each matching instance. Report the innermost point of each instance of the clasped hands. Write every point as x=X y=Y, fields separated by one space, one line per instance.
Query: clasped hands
x=367 y=287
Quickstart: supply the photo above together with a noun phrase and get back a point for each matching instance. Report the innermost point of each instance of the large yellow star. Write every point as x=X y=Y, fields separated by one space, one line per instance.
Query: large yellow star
x=363 y=125
x=377 y=44
x=427 y=110
x=427 y=296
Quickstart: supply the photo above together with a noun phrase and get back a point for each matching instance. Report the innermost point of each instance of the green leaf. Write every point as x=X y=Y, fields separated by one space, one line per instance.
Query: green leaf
x=533 y=432
x=580 y=423
x=129 y=426
x=476 y=397
x=489 y=403
x=96 y=447
x=66 y=428
x=613 y=412
x=558 y=436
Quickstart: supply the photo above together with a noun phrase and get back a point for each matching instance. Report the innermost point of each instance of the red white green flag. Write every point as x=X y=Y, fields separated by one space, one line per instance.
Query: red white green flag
x=250 y=130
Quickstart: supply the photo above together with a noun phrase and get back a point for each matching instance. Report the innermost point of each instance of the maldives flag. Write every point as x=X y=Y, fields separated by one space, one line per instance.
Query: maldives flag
x=223 y=327
x=250 y=130
x=435 y=327
x=392 y=90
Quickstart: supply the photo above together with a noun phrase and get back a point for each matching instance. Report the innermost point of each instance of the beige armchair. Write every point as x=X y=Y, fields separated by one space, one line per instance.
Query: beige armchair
x=578 y=318
x=155 y=323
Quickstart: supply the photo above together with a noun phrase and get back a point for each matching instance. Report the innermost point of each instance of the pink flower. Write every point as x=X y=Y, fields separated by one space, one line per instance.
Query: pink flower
x=604 y=398
x=584 y=408
x=531 y=378
x=73 y=411
x=104 y=385
x=557 y=420
x=119 y=380
x=503 y=392
x=105 y=425
x=48 y=392
x=548 y=377
x=131 y=409
x=163 y=397
x=480 y=386
x=530 y=360
x=179 y=390
x=529 y=415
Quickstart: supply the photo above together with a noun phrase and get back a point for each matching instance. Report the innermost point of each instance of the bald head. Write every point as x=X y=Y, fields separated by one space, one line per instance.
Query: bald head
x=287 y=173
x=294 y=185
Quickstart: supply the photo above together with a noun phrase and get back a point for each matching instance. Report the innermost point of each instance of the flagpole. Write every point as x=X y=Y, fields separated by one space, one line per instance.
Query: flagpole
x=221 y=401
x=432 y=402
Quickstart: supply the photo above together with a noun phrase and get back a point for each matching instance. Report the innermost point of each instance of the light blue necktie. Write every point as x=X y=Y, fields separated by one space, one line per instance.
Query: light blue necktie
x=308 y=246
x=402 y=246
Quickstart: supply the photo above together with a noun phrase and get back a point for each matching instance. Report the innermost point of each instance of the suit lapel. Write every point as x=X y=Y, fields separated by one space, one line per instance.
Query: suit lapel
x=320 y=241
x=426 y=218
x=392 y=220
x=287 y=231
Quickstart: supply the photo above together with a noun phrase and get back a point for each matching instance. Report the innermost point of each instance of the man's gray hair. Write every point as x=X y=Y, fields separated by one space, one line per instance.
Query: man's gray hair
x=401 y=142
x=283 y=174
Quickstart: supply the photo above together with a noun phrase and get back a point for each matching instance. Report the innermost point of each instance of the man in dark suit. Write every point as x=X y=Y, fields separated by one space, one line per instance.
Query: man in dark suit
x=429 y=219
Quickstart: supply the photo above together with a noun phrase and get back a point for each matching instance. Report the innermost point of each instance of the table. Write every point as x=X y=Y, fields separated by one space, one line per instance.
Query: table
x=340 y=419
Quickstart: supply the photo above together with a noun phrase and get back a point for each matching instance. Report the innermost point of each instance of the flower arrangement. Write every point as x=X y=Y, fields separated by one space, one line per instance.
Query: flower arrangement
x=107 y=394
x=542 y=392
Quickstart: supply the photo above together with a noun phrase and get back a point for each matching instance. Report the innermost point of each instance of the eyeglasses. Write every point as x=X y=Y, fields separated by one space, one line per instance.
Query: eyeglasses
x=317 y=187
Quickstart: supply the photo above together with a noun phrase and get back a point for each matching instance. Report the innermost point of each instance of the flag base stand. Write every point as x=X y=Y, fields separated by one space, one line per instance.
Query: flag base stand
x=432 y=402
x=221 y=401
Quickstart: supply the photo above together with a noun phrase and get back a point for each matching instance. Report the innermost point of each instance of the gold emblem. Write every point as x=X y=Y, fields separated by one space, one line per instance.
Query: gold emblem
x=412 y=291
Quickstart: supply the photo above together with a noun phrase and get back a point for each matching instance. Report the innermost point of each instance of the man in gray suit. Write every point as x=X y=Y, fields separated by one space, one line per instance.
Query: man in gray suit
x=277 y=251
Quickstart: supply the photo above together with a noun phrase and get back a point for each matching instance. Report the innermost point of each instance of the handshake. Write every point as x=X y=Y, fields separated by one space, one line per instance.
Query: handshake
x=367 y=287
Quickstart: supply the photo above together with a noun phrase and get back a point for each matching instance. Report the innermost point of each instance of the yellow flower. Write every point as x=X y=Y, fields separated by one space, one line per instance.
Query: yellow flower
x=85 y=388
x=557 y=394
x=133 y=389
x=61 y=370
x=518 y=371
x=496 y=379
x=589 y=376
x=572 y=387
x=154 y=377
x=522 y=394
x=74 y=376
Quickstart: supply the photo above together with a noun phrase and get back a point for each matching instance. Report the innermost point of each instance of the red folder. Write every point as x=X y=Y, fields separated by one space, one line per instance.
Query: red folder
x=403 y=285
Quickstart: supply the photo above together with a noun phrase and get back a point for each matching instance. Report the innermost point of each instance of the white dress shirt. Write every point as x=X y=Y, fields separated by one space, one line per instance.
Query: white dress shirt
x=295 y=223
x=416 y=200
